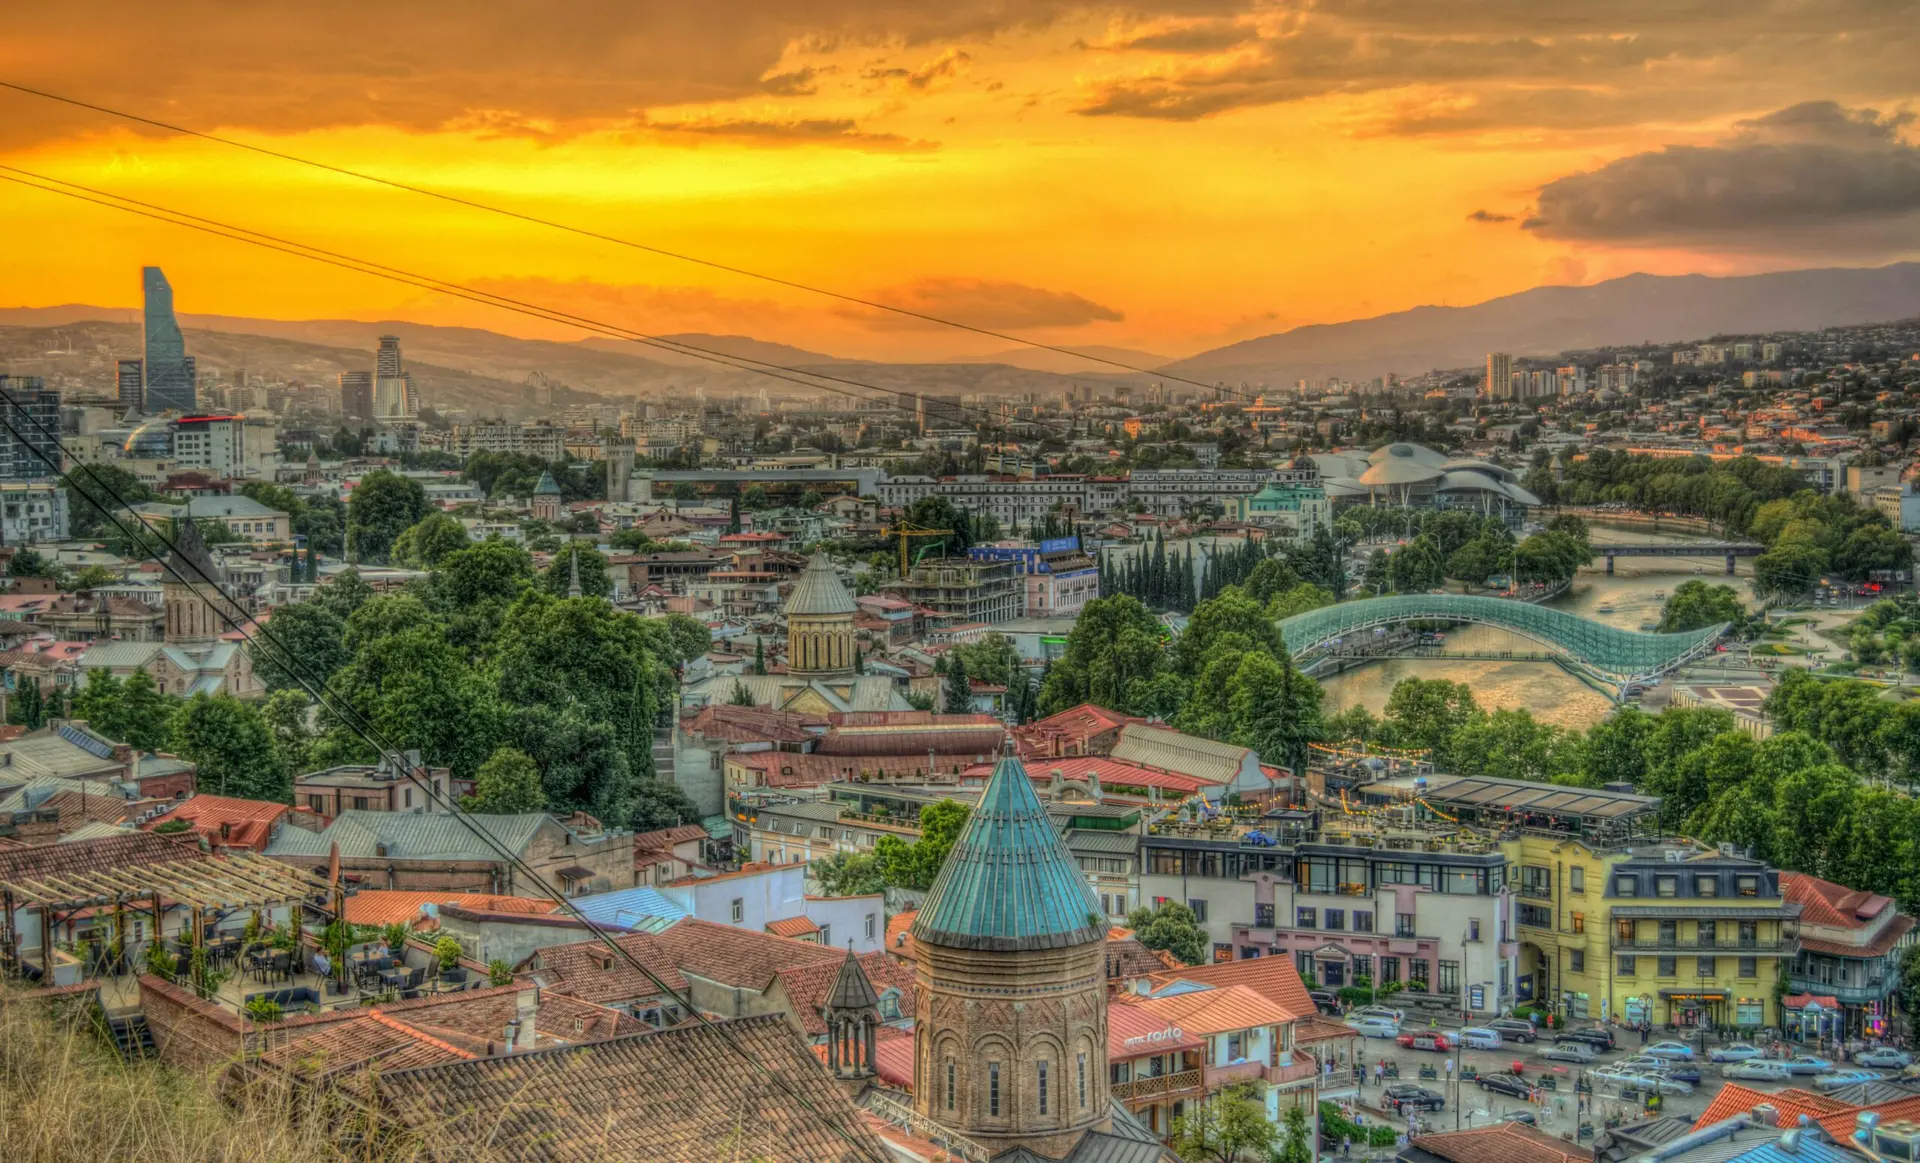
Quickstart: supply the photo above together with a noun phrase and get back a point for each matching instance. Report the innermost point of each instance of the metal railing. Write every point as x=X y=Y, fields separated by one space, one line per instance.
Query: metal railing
x=1692 y=945
x=908 y=1118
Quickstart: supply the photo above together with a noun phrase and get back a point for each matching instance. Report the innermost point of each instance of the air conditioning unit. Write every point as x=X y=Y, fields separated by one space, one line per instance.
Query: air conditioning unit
x=1897 y=1140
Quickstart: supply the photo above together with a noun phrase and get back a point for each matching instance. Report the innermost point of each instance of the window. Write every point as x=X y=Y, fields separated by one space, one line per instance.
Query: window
x=1389 y=969
x=1747 y=886
x=360 y=803
x=1669 y=932
x=1363 y=967
x=1199 y=908
x=318 y=804
x=1450 y=977
x=1749 y=967
x=1579 y=922
x=1417 y=977
x=739 y=909
x=1536 y=916
x=1704 y=966
x=1305 y=918
x=1263 y=916
x=1043 y=1086
x=1709 y=933
x=1749 y=934
x=1336 y=919
x=1576 y=879
x=1303 y=961
x=1536 y=880
x=1749 y=1011
x=408 y=794
x=993 y=1089
x=1082 y=1075
x=1626 y=968
x=826 y=935
x=869 y=926
x=1706 y=886
x=1668 y=966
x=1473 y=928
x=1666 y=886
x=1403 y=924
x=1236 y=1046
x=1362 y=921
x=1624 y=886
x=950 y=1069
x=1577 y=961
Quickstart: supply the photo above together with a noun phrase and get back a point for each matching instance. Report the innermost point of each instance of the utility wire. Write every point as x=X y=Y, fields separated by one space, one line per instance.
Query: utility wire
x=583 y=232
x=111 y=201
x=357 y=723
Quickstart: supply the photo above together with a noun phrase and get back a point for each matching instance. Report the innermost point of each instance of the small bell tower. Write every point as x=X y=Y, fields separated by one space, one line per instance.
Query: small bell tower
x=853 y=1014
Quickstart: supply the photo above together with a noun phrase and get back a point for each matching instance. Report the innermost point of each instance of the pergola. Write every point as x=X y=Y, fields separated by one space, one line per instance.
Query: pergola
x=206 y=884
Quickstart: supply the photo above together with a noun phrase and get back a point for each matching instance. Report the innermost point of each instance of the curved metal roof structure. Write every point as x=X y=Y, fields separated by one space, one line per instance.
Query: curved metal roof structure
x=818 y=590
x=1606 y=649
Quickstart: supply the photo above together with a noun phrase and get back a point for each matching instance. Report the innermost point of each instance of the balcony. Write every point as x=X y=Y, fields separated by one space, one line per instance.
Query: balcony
x=1732 y=948
x=1878 y=990
x=1219 y=1076
x=1304 y=1067
x=1165 y=1084
x=1541 y=892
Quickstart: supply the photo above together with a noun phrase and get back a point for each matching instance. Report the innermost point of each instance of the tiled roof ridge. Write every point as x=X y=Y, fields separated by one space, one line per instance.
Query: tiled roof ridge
x=562 y=1048
x=422 y=1035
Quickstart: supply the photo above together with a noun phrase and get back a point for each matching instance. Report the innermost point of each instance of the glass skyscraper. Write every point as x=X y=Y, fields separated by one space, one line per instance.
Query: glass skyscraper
x=170 y=373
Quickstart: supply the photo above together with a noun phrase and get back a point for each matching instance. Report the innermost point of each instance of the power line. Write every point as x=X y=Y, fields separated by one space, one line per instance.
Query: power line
x=357 y=723
x=583 y=232
x=158 y=213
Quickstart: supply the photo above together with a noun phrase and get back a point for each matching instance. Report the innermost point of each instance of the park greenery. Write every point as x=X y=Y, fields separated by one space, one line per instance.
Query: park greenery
x=1695 y=605
x=1173 y=927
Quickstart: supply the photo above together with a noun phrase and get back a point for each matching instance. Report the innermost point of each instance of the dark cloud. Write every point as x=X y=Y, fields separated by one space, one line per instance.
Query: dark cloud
x=1210 y=36
x=1815 y=168
x=797 y=83
x=992 y=303
x=799 y=131
x=948 y=64
x=1488 y=216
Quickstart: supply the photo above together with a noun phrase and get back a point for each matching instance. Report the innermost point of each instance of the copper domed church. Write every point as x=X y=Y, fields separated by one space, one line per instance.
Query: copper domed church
x=1010 y=1029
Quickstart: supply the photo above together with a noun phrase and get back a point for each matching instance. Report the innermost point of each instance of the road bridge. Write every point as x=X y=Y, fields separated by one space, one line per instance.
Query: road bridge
x=1620 y=657
x=1727 y=549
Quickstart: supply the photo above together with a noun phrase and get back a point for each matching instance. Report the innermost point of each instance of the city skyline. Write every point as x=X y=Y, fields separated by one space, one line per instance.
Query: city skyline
x=1161 y=179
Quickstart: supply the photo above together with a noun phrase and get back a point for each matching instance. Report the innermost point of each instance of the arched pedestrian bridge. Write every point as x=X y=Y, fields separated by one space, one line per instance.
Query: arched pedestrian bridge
x=1606 y=651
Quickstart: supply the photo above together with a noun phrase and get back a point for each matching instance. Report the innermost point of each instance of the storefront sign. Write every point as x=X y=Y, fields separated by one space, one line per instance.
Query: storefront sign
x=1477 y=997
x=1170 y=1034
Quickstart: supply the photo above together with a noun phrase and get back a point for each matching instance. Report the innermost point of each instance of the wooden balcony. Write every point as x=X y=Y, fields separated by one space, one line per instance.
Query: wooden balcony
x=1223 y=1076
x=1164 y=1085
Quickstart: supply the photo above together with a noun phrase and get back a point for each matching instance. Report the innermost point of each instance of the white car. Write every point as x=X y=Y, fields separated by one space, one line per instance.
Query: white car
x=1809 y=1064
x=1643 y=1081
x=1388 y=1012
x=1884 y=1057
x=1373 y=1027
x=1840 y=1078
x=1758 y=1070
x=1735 y=1052
x=1672 y=1051
x=1569 y=1052
x=1480 y=1038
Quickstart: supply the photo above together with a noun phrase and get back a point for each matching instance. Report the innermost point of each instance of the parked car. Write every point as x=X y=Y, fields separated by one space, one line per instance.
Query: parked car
x=1758 y=1070
x=1570 y=1051
x=1519 y=1117
x=1645 y=1081
x=1377 y=1011
x=1480 y=1038
x=1511 y=1084
x=1599 y=1037
x=1325 y=1000
x=1666 y=1068
x=1674 y=1051
x=1514 y=1029
x=1885 y=1057
x=1840 y=1078
x=1425 y=1040
x=1735 y=1052
x=1375 y=1027
x=1808 y=1064
x=1405 y=1096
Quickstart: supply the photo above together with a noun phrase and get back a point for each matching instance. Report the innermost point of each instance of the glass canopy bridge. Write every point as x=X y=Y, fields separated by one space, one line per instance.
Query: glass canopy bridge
x=1611 y=655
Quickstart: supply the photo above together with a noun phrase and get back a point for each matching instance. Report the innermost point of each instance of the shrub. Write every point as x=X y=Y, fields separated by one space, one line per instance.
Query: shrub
x=263 y=1009
x=448 y=951
x=499 y=972
x=396 y=935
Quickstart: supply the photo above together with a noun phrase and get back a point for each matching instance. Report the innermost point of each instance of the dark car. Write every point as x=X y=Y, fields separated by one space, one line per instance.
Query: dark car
x=1599 y=1037
x=1325 y=1000
x=1511 y=1084
x=1404 y=1097
x=1514 y=1029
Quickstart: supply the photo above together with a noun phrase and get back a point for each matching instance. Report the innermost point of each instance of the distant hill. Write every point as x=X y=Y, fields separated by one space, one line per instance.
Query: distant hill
x=1040 y=360
x=1549 y=320
x=744 y=346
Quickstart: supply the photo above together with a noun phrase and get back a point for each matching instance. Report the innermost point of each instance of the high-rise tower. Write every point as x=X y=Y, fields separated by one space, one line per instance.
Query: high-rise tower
x=1499 y=384
x=172 y=383
x=130 y=379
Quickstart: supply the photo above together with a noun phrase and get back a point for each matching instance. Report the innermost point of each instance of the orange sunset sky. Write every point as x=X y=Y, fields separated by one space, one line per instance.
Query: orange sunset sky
x=1163 y=176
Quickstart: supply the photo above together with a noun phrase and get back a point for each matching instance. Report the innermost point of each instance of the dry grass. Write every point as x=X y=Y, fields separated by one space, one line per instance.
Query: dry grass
x=67 y=1097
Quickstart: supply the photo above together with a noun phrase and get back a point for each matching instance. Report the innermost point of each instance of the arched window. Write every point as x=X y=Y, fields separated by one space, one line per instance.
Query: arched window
x=950 y=1073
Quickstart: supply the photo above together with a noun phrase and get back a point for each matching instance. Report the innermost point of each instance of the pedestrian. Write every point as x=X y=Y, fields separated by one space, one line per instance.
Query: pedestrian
x=1346 y=1145
x=1380 y=1073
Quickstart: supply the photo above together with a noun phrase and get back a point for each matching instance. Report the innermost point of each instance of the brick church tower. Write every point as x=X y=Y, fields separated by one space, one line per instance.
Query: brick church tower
x=1010 y=1030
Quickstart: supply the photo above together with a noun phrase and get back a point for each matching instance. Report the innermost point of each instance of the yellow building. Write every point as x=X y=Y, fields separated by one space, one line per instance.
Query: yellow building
x=1560 y=910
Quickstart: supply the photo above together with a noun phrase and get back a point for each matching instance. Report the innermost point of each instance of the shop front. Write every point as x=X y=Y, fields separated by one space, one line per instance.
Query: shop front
x=1690 y=1009
x=1808 y=1017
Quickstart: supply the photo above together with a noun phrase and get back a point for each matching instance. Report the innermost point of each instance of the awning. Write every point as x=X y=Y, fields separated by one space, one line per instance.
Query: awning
x=1696 y=994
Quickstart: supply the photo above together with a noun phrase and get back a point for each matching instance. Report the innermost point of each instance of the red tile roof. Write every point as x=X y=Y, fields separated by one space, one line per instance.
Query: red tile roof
x=807 y=987
x=1214 y=1011
x=1823 y=902
x=668 y=837
x=792 y=927
x=1273 y=978
x=227 y=822
x=1133 y=1032
x=1734 y=1099
x=589 y=971
x=387 y=906
x=738 y=957
x=1111 y=771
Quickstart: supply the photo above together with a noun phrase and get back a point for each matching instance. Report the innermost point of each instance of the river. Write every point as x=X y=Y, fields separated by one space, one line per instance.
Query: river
x=1633 y=596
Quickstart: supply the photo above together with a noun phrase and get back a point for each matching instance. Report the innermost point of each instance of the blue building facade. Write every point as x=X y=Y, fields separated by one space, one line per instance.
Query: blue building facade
x=172 y=381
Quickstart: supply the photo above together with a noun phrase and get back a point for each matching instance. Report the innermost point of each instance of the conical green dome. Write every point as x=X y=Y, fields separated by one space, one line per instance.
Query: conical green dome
x=1009 y=882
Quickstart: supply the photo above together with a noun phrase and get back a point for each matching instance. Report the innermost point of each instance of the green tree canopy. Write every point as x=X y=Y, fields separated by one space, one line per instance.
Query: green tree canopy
x=231 y=747
x=1171 y=926
x=382 y=507
x=508 y=783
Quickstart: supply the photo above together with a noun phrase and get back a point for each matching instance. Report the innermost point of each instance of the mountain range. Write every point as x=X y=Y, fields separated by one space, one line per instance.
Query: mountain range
x=489 y=373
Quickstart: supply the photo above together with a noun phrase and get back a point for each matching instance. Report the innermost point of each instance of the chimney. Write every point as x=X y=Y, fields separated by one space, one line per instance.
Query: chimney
x=513 y=1030
x=526 y=1017
x=1056 y=784
x=1093 y=786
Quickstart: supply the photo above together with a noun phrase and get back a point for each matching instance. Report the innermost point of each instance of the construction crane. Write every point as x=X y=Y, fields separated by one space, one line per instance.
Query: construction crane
x=905 y=530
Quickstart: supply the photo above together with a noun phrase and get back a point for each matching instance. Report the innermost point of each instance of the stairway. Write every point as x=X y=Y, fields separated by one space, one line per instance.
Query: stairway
x=663 y=754
x=131 y=1036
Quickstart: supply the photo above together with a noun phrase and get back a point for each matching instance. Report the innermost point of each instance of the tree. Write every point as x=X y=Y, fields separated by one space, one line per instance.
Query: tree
x=595 y=582
x=93 y=577
x=303 y=641
x=1427 y=712
x=286 y=713
x=344 y=594
x=741 y=697
x=132 y=710
x=658 y=804
x=382 y=506
x=1296 y=1137
x=1695 y=605
x=507 y=784
x=1173 y=927
x=229 y=743
x=419 y=691
x=1114 y=645
x=958 y=693
x=848 y=874
x=424 y=543
x=992 y=660
x=90 y=498
x=916 y=865
x=1226 y=1128
x=26 y=707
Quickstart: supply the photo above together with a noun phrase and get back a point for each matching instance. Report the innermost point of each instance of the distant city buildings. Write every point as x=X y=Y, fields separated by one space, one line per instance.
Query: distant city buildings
x=30 y=443
x=172 y=384
x=1499 y=381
